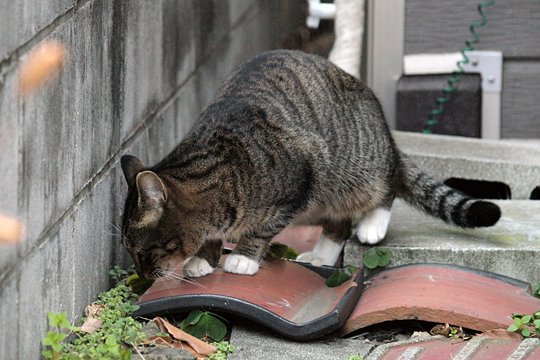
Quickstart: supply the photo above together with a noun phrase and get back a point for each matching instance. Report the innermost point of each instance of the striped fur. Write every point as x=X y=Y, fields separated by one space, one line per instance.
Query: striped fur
x=289 y=138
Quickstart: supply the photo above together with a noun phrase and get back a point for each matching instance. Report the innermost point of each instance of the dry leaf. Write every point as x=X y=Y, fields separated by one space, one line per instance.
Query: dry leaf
x=11 y=230
x=91 y=324
x=201 y=347
x=46 y=59
x=93 y=310
x=449 y=331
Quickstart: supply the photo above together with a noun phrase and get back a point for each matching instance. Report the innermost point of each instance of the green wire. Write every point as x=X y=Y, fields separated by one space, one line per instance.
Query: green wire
x=454 y=79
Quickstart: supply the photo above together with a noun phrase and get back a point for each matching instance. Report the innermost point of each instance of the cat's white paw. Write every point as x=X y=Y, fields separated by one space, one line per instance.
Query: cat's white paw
x=197 y=267
x=310 y=257
x=240 y=264
x=373 y=226
x=326 y=252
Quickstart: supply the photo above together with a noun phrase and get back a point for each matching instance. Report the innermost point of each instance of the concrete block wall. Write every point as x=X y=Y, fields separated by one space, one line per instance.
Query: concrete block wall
x=138 y=74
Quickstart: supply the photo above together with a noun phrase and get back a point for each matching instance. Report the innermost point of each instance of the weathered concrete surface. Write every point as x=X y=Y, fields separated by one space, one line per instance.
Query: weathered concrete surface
x=253 y=342
x=515 y=163
x=22 y=20
x=511 y=247
x=137 y=77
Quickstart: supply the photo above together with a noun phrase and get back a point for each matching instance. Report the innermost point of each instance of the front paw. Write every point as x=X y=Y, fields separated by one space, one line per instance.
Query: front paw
x=197 y=267
x=240 y=264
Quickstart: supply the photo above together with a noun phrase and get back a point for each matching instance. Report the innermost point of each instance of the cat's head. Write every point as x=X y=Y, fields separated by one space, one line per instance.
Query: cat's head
x=156 y=230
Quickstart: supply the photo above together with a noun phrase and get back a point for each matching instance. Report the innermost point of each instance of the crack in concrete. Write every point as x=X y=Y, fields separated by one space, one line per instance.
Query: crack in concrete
x=40 y=35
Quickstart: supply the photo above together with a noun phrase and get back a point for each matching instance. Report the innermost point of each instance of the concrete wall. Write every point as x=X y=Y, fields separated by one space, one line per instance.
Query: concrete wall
x=138 y=74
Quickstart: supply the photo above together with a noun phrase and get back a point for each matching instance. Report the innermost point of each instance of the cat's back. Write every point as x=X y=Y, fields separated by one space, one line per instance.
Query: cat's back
x=293 y=74
x=299 y=90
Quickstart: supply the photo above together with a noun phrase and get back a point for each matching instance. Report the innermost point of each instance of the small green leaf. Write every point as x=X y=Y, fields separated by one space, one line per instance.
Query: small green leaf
x=526 y=332
x=208 y=327
x=58 y=320
x=192 y=318
x=337 y=278
x=526 y=319
x=371 y=259
x=57 y=347
x=536 y=323
x=383 y=260
x=377 y=257
x=536 y=290
x=513 y=328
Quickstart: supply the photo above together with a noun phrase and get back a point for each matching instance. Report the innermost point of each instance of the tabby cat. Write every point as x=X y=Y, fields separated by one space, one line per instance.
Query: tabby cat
x=289 y=139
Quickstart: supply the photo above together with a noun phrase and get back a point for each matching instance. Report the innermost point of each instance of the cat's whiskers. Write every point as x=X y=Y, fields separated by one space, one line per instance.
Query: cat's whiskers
x=116 y=232
x=170 y=274
x=115 y=227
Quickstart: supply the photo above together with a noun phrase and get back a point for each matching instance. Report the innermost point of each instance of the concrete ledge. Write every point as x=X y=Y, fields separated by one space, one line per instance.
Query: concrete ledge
x=511 y=247
x=515 y=163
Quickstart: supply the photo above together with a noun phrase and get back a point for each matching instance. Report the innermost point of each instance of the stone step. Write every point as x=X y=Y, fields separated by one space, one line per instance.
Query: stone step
x=516 y=164
x=511 y=247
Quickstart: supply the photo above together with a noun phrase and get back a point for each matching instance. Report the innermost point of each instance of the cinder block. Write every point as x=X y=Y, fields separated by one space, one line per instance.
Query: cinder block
x=9 y=298
x=66 y=129
x=513 y=163
x=42 y=288
x=510 y=248
x=21 y=20
x=9 y=158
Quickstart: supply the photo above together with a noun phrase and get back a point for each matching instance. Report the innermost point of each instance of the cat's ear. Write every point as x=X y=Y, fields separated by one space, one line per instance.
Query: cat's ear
x=152 y=197
x=131 y=165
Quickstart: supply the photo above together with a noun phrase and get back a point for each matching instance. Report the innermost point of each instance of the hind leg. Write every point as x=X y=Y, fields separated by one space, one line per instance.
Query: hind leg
x=373 y=225
x=329 y=247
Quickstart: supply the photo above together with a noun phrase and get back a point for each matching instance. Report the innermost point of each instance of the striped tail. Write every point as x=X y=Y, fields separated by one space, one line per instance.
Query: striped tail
x=443 y=202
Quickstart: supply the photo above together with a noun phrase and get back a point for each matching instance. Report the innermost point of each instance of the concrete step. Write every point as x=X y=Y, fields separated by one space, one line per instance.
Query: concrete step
x=516 y=164
x=511 y=247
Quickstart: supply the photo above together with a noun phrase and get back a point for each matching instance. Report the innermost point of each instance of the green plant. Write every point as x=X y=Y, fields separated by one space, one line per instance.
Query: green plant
x=526 y=325
x=204 y=325
x=54 y=339
x=118 y=332
x=454 y=333
x=340 y=276
x=223 y=349
x=355 y=357
x=377 y=257
x=536 y=290
x=117 y=274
